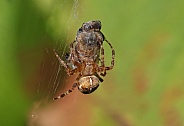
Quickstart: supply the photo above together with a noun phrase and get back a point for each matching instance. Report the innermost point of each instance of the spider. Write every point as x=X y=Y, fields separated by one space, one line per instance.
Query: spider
x=85 y=53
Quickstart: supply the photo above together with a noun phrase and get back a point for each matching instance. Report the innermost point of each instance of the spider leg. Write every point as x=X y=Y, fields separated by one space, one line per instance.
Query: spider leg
x=101 y=80
x=102 y=67
x=60 y=60
x=104 y=73
x=68 y=70
x=66 y=93
x=72 y=51
x=102 y=56
x=70 y=90
x=113 y=56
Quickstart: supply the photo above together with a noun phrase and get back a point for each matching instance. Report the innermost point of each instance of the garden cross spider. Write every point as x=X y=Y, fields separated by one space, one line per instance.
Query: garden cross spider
x=85 y=53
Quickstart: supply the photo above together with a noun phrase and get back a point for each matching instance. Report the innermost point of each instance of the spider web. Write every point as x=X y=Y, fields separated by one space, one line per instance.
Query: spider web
x=52 y=77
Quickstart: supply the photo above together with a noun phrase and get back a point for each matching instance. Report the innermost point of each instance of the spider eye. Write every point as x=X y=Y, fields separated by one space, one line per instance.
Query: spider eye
x=87 y=26
x=88 y=84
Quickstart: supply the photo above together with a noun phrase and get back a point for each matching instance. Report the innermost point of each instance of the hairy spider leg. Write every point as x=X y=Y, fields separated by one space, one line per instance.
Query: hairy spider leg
x=72 y=51
x=70 y=90
x=113 y=56
x=66 y=93
x=60 y=60
x=100 y=79
x=68 y=70
x=102 y=67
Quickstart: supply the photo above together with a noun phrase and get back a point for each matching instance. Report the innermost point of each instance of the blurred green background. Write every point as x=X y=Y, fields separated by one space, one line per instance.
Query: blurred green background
x=144 y=89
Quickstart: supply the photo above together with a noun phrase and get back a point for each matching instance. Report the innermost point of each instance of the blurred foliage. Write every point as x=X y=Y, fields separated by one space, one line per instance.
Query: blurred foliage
x=144 y=89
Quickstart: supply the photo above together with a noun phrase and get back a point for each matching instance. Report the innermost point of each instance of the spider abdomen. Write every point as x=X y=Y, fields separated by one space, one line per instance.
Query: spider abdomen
x=88 y=84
